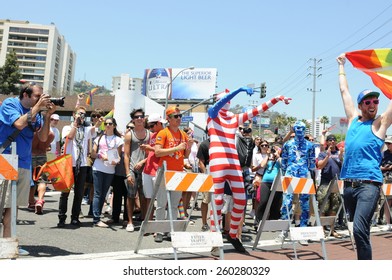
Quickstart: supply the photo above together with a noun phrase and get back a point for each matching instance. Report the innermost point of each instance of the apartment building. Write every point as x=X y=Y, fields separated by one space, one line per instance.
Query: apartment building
x=127 y=83
x=43 y=54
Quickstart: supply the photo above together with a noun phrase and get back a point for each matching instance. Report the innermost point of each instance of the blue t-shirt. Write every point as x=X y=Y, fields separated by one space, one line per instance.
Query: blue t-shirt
x=10 y=111
x=271 y=171
x=362 y=156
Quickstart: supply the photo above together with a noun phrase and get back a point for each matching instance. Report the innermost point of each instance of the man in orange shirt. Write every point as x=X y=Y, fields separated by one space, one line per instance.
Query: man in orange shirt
x=172 y=145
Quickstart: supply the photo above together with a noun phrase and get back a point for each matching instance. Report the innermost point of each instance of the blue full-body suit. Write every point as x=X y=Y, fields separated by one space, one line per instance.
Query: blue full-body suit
x=298 y=159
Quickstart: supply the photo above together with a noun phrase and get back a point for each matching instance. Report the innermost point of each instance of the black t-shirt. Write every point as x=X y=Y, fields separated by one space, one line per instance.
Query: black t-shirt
x=387 y=160
x=245 y=146
x=203 y=152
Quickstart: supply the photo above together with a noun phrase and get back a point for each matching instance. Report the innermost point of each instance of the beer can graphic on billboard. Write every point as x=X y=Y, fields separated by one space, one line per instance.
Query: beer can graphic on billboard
x=157 y=80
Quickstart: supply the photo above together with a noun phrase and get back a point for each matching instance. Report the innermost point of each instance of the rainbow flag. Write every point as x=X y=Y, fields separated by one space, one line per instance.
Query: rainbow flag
x=89 y=99
x=108 y=115
x=376 y=63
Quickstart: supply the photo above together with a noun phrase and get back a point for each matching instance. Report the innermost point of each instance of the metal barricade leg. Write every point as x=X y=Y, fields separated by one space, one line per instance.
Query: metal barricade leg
x=217 y=226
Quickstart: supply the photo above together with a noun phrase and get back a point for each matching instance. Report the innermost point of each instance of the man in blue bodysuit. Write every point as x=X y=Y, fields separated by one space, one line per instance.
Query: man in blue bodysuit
x=298 y=159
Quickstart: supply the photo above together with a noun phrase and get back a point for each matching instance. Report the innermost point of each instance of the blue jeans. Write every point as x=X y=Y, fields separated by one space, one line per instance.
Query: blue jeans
x=361 y=202
x=102 y=182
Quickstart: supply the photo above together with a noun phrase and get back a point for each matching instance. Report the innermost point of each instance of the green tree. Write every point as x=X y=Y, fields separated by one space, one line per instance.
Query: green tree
x=291 y=120
x=10 y=75
x=280 y=121
x=324 y=120
x=307 y=124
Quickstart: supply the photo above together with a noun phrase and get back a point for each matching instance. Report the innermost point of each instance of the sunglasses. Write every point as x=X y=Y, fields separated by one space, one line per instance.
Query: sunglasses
x=30 y=84
x=375 y=102
x=95 y=116
x=311 y=140
x=54 y=120
x=128 y=127
x=176 y=116
x=264 y=145
x=138 y=117
x=108 y=123
x=151 y=125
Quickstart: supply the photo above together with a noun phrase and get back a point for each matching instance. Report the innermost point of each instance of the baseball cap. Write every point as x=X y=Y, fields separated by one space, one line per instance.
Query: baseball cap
x=55 y=117
x=331 y=137
x=388 y=139
x=172 y=110
x=155 y=117
x=367 y=93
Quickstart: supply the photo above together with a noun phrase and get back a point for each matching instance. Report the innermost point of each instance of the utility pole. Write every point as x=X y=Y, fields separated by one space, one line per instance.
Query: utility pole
x=313 y=90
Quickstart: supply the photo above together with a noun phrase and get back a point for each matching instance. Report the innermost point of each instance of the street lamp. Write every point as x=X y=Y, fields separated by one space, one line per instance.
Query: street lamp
x=169 y=85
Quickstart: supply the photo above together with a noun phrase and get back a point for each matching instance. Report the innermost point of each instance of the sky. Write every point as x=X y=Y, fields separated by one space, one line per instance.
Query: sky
x=249 y=42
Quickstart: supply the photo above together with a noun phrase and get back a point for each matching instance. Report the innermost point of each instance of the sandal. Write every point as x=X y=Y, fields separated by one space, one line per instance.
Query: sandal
x=336 y=235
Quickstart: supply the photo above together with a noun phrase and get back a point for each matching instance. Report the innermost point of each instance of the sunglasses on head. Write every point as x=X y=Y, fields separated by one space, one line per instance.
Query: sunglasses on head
x=151 y=125
x=138 y=117
x=375 y=102
x=176 y=116
x=108 y=123
x=30 y=84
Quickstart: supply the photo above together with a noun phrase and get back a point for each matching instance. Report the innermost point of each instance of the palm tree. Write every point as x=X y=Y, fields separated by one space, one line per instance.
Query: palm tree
x=307 y=124
x=324 y=120
x=280 y=121
x=291 y=120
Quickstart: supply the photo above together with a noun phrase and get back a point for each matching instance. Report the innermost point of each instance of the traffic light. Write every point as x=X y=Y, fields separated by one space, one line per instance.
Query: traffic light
x=263 y=90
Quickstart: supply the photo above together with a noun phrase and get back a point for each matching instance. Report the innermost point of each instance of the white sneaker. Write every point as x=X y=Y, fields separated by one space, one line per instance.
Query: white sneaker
x=245 y=229
x=303 y=242
x=108 y=210
x=252 y=214
x=23 y=252
x=130 y=228
x=281 y=237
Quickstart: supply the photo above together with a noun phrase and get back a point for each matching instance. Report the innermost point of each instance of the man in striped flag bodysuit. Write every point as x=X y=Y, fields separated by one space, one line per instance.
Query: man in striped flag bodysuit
x=224 y=164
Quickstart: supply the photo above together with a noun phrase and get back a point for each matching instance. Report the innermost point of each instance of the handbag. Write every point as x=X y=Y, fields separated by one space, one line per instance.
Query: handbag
x=59 y=172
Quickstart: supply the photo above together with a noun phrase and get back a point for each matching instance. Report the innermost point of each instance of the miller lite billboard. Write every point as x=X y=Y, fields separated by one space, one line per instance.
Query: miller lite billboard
x=177 y=83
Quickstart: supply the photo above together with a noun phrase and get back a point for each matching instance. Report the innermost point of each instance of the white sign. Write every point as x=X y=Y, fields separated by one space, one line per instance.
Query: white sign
x=307 y=233
x=196 y=239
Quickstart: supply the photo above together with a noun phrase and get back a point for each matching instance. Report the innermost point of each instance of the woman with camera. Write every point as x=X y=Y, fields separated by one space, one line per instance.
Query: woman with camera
x=258 y=169
x=271 y=165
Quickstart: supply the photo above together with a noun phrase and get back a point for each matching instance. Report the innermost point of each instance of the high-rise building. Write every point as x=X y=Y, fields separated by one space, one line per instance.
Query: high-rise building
x=127 y=83
x=43 y=54
x=318 y=127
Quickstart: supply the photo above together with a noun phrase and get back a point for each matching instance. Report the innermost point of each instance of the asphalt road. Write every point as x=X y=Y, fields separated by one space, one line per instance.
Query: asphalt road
x=40 y=235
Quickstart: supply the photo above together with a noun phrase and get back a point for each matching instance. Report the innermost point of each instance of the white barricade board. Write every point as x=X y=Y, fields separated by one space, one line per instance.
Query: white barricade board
x=307 y=233
x=8 y=248
x=196 y=239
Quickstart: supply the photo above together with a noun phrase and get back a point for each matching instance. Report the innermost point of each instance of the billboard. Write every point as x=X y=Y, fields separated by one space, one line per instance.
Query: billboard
x=198 y=83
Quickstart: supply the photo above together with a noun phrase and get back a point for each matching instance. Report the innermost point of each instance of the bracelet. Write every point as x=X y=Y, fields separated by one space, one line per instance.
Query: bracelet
x=128 y=175
x=341 y=73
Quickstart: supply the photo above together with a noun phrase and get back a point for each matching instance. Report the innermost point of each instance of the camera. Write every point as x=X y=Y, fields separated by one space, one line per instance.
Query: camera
x=59 y=101
x=247 y=130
